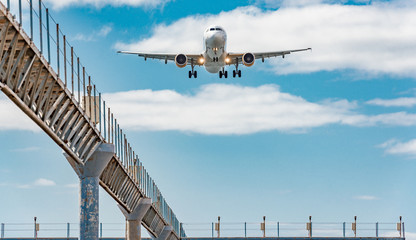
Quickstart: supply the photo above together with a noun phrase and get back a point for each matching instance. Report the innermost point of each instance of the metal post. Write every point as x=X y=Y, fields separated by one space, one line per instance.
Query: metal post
x=212 y=230
x=400 y=224
x=47 y=36
x=8 y=5
x=116 y=136
x=40 y=26
x=95 y=107
x=89 y=96
x=35 y=234
x=343 y=229
x=31 y=19
x=101 y=230
x=2 y=230
x=72 y=69
x=83 y=84
x=20 y=12
x=112 y=126
x=68 y=230
x=65 y=60
x=278 y=229
x=354 y=226
x=264 y=226
x=104 y=119
x=219 y=226
x=99 y=109
x=57 y=49
x=79 y=79
x=310 y=226
x=404 y=233
x=376 y=229
x=245 y=229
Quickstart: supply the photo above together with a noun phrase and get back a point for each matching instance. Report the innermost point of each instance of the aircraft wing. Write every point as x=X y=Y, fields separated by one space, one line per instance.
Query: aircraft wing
x=237 y=57
x=192 y=58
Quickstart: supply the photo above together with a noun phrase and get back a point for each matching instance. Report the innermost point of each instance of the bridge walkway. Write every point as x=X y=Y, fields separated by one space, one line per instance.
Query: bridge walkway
x=28 y=79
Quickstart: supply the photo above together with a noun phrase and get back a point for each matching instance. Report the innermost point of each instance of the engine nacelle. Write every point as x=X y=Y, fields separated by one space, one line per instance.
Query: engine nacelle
x=181 y=60
x=248 y=59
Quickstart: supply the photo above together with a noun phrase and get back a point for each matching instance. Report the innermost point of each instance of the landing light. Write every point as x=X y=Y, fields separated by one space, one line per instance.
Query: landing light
x=201 y=60
x=227 y=60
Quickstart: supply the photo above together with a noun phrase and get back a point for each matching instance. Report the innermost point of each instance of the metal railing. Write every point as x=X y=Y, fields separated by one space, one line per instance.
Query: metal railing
x=215 y=230
x=45 y=32
x=293 y=229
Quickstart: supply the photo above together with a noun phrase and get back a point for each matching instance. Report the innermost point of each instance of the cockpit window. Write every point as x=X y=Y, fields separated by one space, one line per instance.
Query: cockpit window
x=218 y=29
x=212 y=29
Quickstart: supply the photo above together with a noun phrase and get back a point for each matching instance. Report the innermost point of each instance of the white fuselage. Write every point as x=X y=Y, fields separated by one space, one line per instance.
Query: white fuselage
x=215 y=40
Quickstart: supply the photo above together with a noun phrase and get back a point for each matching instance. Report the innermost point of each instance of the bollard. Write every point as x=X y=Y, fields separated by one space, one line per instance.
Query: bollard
x=354 y=226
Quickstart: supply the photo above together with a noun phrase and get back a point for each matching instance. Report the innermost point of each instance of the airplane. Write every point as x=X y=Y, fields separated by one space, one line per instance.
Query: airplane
x=215 y=57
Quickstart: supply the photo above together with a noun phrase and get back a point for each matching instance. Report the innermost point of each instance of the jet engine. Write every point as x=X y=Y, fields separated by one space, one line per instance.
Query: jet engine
x=181 y=60
x=248 y=59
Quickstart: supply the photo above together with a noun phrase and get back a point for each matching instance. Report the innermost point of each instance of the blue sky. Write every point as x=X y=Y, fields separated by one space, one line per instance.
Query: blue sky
x=328 y=133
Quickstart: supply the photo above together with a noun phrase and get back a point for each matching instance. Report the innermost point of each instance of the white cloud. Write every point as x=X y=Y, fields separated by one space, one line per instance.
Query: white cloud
x=230 y=109
x=44 y=182
x=398 y=102
x=101 y=3
x=15 y=119
x=396 y=147
x=366 y=197
x=26 y=149
x=102 y=32
x=375 y=39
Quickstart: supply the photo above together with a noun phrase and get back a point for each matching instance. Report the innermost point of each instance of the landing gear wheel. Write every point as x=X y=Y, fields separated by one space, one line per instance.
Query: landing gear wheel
x=226 y=74
x=239 y=73
x=220 y=73
x=195 y=74
x=234 y=73
x=190 y=74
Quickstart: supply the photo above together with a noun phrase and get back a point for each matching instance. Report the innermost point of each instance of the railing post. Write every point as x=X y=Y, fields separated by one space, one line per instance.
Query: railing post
x=212 y=230
x=48 y=41
x=245 y=229
x=99 y=110
x=20 y=13
x=72 y=70
x=101 y=230
x=2 y=230
x=68 y=230
x=278 y=229
x=343 y=229
x=31 y=19
x=104 y=118
x=57 y=49
x=376 y=229
x=40 y=26
x=79 y=79
x=66 y=81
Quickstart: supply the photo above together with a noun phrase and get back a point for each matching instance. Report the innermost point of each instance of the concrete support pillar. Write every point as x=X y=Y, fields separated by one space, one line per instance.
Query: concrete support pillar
x=89 y=174
x=134 y=218
x=164 y=235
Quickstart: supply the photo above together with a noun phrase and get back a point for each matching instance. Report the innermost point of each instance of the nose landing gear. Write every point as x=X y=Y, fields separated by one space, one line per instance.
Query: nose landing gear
x=223 y=73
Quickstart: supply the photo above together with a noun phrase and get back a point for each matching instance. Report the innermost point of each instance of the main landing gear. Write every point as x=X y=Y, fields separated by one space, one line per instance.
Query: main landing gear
x=223 y=73
x=236 y=71
x=192 y=72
